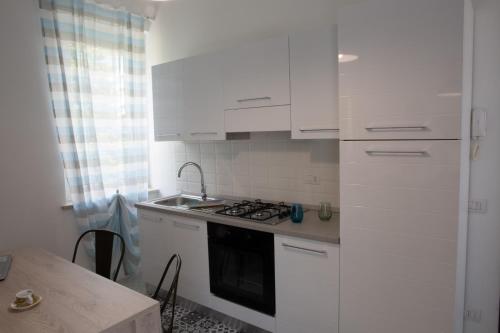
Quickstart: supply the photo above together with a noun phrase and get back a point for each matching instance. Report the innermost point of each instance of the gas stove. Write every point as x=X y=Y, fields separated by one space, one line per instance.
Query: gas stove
x=258 y=211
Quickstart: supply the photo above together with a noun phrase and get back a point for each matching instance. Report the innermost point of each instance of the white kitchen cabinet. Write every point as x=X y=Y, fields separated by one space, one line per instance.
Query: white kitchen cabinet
x=307 y=285
x=202 y=98
x=163 y=235
x=190 y=241
x=401 y=69
x=399 y=224
x=168 y=110
x=257 y=74
x=256 y=81
x=314 y=83
x=155 y=243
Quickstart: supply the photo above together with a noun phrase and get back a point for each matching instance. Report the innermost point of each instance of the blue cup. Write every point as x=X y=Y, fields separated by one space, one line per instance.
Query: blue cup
x=297 y=213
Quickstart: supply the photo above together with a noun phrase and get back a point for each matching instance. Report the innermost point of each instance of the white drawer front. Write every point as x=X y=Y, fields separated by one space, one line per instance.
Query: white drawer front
x=264 y=119
x=399 y=220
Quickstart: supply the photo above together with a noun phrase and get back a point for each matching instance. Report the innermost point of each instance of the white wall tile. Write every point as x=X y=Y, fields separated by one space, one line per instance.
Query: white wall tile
x=268 y=166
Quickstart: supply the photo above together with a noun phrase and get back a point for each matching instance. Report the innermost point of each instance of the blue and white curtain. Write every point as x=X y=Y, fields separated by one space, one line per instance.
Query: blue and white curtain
x=96 y=69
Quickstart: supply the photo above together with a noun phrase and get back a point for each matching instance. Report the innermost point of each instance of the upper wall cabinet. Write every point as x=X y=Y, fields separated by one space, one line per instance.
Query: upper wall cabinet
x=257 y=74
x=314 y=84
x=247 y=89
x=256 y=80
x=400 y=69
x=202 y=86
x=167 y=101
x=187 y=97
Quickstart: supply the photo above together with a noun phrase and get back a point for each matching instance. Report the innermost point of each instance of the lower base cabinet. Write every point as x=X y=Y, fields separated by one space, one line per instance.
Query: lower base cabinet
x=307 y=285
x=306 y=272
x=162 y=235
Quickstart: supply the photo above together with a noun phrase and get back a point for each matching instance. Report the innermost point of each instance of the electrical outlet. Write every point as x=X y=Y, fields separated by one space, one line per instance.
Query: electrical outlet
x=478 y=206
x=312 y=180
x=473 y=315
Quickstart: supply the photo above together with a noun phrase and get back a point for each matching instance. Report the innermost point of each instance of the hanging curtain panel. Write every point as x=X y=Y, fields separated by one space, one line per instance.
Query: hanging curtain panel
x=96 y=69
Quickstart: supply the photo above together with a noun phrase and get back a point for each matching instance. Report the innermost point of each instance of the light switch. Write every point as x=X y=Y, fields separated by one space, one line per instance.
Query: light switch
x=478 y=206
x=312 y=180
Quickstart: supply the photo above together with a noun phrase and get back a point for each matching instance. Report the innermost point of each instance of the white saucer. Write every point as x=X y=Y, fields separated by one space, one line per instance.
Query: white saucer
x=36 y=301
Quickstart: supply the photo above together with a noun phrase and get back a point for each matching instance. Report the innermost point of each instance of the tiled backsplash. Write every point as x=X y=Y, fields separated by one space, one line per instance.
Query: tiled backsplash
x=267 y=166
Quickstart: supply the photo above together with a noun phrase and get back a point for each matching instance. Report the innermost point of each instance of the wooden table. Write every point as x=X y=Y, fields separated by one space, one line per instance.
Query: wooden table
x=74 y=299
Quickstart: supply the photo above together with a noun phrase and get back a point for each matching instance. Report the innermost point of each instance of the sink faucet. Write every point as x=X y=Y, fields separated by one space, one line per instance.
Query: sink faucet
x=203 y=188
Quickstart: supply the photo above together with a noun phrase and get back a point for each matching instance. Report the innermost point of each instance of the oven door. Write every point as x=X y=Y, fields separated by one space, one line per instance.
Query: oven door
x=242 y=266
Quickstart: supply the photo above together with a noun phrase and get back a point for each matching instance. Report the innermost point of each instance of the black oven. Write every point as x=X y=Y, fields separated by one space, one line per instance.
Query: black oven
x=242 y=266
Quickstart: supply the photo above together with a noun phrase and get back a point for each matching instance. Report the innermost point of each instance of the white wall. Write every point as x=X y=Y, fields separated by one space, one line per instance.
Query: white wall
x=483 y=263
x=189 y=27
x=31 y=186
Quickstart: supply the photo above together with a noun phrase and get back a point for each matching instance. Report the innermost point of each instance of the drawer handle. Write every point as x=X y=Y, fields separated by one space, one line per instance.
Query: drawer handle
x=186 y=226
x=253 y=99
x=318 y=129
x=416 y=153
x=168 y=135
x=321 y=252
x=204 y=133
x=396 y=128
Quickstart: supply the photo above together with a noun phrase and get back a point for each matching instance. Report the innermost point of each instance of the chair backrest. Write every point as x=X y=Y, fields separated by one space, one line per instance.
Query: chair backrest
x=103 y=251
x=172 y=290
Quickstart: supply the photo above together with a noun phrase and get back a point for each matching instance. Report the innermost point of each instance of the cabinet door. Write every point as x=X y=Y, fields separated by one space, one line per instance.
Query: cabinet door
x=401 y=69
x=398 y=228
x=257 y=74
x=167 y=101
x=314 y=83
x=203 y=98
x=156 y=244
x=190 y=241
x=307 y=286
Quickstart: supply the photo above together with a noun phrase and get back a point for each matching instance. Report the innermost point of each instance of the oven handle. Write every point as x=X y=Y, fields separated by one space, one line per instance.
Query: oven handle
x=321 y=252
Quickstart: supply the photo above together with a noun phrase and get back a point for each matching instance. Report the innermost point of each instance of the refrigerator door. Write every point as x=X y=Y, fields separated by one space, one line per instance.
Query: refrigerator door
x=399 y=204
x=400 y=68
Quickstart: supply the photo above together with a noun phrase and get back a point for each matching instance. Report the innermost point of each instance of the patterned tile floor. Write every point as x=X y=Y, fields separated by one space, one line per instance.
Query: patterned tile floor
x=188 y=321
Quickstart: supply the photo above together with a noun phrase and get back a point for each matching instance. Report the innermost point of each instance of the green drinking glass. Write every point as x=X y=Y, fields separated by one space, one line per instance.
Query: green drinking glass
x=325 y=211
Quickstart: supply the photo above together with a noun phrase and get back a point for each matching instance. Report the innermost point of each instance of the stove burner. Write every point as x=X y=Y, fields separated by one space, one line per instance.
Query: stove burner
x=257 y=210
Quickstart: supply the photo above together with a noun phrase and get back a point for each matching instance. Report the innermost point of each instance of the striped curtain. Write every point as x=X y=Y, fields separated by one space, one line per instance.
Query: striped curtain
x=95 y=57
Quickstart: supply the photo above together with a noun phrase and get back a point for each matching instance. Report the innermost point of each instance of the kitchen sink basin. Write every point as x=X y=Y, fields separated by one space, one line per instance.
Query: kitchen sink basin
x=189 y=201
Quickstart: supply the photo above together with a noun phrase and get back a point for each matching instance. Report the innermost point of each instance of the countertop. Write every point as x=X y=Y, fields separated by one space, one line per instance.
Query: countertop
x=311 y=228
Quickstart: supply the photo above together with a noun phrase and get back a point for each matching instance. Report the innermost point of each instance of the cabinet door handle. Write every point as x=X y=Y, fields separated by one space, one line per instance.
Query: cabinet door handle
x=186 y=226
x=416 y=153
x=168 y=135
x=318 y=129
x=203 y=133
x=321 y=252
x=396 y=128
x=253 y=99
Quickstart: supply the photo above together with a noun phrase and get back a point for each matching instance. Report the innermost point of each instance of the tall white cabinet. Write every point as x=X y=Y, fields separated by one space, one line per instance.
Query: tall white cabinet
x=401 y=69
x=400 y=112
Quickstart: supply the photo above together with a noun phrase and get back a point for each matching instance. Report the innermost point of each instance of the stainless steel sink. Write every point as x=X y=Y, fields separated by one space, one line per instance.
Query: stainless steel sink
x=189 y=202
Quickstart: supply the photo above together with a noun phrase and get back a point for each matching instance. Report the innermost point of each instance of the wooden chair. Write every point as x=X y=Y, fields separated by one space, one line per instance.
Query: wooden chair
x=172 y=291
x=103 y=251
